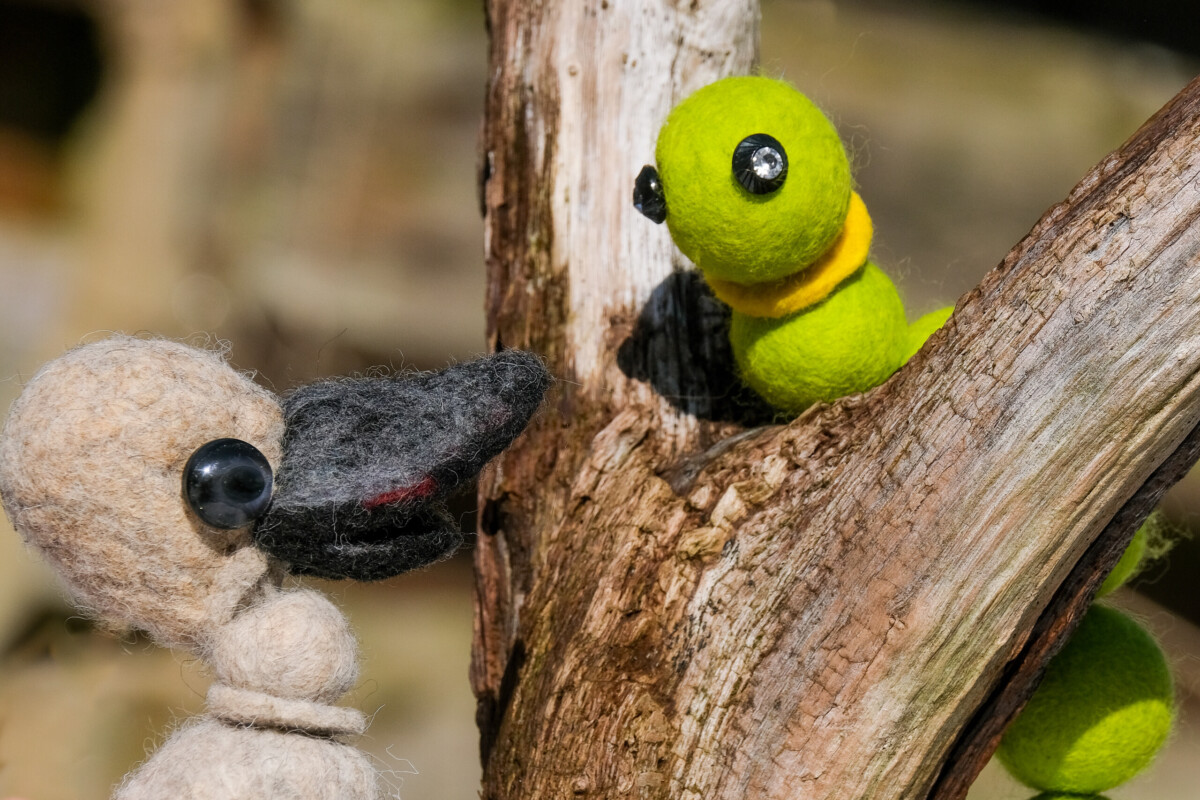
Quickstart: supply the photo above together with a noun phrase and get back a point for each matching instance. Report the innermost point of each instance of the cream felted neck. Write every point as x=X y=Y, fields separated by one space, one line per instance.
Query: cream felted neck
x=813 y=283
x=261 y=710
x=271 y=730
x=282 y=662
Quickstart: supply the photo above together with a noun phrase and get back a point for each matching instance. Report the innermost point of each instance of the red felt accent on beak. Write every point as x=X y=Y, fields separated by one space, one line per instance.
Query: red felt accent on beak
x=418 y=491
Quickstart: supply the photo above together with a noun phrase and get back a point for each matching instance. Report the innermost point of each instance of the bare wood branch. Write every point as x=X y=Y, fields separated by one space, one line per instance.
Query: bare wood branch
x=563 y=243
x=852 y=605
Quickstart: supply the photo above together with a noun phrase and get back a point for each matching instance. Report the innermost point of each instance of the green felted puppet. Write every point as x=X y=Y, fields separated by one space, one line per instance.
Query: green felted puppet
x=755 y=187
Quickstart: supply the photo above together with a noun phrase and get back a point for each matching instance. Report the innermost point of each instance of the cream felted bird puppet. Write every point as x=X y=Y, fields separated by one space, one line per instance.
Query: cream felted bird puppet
x=755 y=187
x=171 y=493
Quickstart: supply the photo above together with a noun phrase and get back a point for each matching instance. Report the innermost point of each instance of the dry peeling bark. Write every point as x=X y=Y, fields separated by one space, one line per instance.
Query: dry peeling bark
x=671 y=605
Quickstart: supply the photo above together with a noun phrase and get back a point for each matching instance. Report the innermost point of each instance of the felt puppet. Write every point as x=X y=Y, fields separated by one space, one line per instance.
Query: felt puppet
x=1105 y=706
x=755 y=188
x=172 y=493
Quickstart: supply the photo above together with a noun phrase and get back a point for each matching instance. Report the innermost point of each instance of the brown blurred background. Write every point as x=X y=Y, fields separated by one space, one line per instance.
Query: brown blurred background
x=298 y=176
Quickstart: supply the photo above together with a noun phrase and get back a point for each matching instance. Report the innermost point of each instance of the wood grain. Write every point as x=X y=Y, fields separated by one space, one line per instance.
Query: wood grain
x=851 y=605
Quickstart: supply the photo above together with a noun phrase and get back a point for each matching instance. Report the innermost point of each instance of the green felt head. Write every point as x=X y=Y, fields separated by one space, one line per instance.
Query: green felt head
x=1099 y=716
x=850 y=341
x=723 y=228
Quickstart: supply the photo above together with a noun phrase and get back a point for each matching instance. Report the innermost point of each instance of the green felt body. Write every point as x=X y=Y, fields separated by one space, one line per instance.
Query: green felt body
x=849 y=342
x=1101 y=713
x=845 y=344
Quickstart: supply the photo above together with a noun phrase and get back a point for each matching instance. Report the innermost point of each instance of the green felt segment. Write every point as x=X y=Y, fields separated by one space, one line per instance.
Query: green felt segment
x=922 y=329
x=1101 y=713
x=850 y=341
x=724 y=229
x=1131 y=559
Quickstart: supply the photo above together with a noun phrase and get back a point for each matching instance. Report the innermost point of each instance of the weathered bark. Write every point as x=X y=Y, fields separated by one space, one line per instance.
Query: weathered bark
x=851 y=605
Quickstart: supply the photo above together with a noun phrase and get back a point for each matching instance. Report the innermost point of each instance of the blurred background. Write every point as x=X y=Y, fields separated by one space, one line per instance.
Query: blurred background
x=299 y=177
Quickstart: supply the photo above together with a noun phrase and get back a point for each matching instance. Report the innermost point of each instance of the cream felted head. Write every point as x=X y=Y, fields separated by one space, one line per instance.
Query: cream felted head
x=116 y=464
x=90 y=465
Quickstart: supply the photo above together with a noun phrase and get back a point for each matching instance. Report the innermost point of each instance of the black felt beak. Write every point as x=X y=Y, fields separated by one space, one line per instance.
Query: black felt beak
x=368 y=463
x=648 y=197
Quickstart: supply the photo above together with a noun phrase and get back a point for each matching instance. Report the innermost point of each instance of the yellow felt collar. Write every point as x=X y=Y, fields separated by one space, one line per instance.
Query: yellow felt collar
x=811 y=284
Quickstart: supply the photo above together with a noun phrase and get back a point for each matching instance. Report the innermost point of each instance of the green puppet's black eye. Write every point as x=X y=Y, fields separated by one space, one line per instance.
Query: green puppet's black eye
x=760 y=163
x=648 y=195
x=227 y=482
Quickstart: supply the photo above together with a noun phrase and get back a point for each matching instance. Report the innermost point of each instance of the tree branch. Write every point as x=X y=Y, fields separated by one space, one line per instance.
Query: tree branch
x=852 y=605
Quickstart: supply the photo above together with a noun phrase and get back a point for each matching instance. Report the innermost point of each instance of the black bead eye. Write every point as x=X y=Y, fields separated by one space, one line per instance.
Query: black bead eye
x=648 y=195
x=227 y=482
x=760 y=163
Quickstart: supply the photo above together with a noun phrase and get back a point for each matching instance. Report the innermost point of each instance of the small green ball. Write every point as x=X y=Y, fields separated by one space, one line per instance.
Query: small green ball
x=849 y=342
x=1061 y=796
x=728 y=232
x=1131 y=559
x=1101 y=713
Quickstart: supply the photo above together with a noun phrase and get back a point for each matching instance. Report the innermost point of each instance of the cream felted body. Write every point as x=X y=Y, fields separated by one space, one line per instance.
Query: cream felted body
x=269 y=732
x=210 y=760
x=90 y=465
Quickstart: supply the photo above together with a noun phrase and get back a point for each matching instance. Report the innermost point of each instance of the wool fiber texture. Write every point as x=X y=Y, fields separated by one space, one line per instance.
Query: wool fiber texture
x=92 y=457
x=294 y=645
x=90 y=462
x=726 y=231
x=1101 y=713
x=210 y=760
x=244 y=707
x=810 y=285
x=847 y=343
x=923 y=328
x=813 y=319
x=368 y=462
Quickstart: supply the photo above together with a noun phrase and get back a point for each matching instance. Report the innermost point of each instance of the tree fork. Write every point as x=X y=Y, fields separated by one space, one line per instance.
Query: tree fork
x=851 y=605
